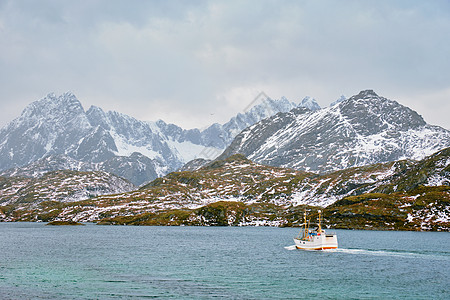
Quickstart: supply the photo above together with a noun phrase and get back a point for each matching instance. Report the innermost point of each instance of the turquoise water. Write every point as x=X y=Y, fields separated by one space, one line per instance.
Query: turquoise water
x=127 y=262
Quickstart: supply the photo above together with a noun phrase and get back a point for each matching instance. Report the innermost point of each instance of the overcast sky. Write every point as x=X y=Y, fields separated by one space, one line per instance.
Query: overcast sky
x=193 y=63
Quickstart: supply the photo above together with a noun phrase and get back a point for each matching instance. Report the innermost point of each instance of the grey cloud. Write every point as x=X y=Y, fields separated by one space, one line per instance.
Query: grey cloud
x=163 y=59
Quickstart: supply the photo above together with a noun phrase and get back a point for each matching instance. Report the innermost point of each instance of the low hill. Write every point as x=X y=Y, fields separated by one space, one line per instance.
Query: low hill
x=60 y=186
x=240 y=192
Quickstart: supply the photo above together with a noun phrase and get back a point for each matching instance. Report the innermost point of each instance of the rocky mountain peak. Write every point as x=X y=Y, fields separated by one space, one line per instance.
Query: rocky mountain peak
x=53 y=107
x=370 y=113
x=310 y=103
x=95 y=110
x=365 y=94
x=339 y=100
x=97 y=117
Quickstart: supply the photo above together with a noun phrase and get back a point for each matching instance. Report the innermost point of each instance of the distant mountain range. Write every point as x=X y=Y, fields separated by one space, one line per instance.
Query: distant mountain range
x=57 y=133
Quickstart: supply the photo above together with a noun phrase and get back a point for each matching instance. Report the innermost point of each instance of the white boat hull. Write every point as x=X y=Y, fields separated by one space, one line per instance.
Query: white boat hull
x=318 y=242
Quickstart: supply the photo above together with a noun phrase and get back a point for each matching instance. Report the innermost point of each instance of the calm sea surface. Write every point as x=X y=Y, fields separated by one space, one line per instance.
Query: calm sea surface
x=110 y=262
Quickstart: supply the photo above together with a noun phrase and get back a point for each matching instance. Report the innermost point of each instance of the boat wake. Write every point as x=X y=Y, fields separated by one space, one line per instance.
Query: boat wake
x=292 y=247
x=396 y=253
x=376 y=252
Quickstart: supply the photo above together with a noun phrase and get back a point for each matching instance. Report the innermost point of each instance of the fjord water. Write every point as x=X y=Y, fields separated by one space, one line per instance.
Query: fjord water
x=114 y=262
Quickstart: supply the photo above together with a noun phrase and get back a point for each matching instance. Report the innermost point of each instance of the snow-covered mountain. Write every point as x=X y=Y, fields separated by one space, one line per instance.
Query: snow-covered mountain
x=364 y=129
x=309 y=103
x=339 y=100
x=58 y=127
x=219 y=136
x=57 y=133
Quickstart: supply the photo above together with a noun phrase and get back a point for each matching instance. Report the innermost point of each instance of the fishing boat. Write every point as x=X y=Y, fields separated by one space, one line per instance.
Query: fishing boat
x=315 y=239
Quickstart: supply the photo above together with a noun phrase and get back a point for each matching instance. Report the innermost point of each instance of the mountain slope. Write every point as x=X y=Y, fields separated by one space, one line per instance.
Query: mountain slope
x=364 y=129
x=351 y=194
x=433 y=170
x=424 y=209
x=137 y=168
x=62 y=186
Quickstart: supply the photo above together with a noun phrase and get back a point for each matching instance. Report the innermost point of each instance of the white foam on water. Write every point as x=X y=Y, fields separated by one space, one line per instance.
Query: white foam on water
x=381 y=253
x=371 y=252
x=389 y=253
x=377 y=252
x=292 y=247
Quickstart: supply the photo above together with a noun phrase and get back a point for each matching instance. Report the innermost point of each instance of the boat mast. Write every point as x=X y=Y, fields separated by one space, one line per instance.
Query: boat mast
x=320 y=227
x=306 y=229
